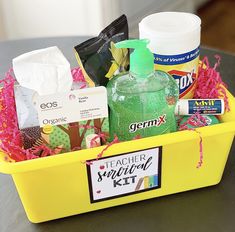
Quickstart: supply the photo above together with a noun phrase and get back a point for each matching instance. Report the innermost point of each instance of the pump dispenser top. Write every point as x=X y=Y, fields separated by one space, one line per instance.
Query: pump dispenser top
x=141 y=101
x=141 y=59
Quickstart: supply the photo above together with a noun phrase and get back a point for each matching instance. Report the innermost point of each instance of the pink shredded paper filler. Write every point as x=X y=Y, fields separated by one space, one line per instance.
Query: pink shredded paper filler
x=209 y=85
x=9 y=133
x=199 y=121
x=209 y=82
x=78 y=77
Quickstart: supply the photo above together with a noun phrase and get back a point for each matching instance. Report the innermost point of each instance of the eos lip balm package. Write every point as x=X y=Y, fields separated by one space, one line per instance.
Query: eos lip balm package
x=63 y=121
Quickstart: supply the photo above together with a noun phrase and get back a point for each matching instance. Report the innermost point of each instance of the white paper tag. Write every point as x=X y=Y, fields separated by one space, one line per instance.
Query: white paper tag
x=73 y=106
x=124 y=174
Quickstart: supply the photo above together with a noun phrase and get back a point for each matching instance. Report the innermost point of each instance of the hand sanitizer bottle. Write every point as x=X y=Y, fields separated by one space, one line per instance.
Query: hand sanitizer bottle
x=142 y=101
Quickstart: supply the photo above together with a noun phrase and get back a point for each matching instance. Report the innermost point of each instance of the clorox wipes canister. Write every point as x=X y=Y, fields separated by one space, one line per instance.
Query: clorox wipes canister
x=174 y=41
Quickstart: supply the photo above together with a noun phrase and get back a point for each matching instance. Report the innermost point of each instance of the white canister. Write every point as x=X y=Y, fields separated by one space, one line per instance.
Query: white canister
x=175 y=40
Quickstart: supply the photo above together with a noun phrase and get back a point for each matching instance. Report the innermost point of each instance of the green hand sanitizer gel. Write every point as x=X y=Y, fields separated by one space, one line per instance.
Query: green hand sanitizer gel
x=142 y=101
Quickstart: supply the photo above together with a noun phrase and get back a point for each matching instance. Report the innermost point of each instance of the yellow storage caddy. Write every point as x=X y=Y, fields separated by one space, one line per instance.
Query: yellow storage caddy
x=63 y=185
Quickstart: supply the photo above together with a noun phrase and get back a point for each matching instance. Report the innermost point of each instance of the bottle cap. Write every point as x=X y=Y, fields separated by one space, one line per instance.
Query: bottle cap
x=171 y=33
x=141 y=59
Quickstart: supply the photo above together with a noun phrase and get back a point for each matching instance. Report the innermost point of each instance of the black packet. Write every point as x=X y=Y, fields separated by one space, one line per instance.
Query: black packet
x=99 y=59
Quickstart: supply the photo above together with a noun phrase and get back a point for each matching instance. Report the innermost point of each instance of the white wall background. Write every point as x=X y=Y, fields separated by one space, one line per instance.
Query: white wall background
x=2 y=32
x=36 y=18
x=136 y=10
x=42 y=18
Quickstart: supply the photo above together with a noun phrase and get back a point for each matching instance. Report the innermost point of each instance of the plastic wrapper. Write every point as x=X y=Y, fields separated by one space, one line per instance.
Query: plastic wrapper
x=99 y=59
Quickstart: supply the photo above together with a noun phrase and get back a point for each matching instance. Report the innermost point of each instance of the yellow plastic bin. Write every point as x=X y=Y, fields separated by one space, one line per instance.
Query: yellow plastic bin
x=63 y=185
